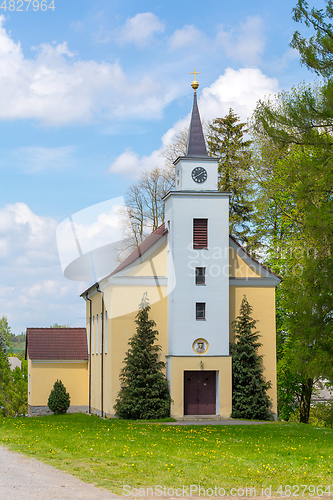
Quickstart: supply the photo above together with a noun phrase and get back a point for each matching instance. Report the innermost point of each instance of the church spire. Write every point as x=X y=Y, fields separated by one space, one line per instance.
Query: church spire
x=196 y=143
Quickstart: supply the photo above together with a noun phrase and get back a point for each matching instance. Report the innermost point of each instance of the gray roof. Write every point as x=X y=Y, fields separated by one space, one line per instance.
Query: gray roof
x=196 y=143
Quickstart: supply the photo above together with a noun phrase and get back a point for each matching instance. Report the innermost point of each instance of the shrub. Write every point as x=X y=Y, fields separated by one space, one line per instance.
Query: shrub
x=322 y=414
x=59 y=399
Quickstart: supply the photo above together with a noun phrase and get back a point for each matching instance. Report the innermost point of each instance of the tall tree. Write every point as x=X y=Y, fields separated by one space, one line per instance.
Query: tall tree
x=301 y=184
x=17 y=392
x=226 y=140
x=317 y=51
x=5 y=380
x=249 y=387
x=144 y=392
x=176 y=147
x=5 y=333
x=144 y=207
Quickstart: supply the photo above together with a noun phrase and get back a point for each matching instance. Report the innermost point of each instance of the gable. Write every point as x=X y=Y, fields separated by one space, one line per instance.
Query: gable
x=244 y=268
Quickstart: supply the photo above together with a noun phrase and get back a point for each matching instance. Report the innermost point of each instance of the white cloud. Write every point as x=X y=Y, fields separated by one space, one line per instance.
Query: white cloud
x=131 y=164
x=188 y=36
x=26 y=238
x=237 y=89
x=244 y=44
x=33 y=288
x=48 y=287
x=139 y=29
x=57 y=88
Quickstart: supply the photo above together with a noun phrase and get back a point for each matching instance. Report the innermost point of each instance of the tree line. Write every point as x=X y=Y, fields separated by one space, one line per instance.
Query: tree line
x=279 y=171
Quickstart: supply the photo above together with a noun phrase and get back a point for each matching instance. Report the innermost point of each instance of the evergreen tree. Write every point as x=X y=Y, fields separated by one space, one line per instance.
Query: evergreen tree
x=5 y=335
x=145 y=391
x=5 y=382
x=249 y=387
x=3 y=347
x=18 y=391
x=59 y=399
x=226 y=141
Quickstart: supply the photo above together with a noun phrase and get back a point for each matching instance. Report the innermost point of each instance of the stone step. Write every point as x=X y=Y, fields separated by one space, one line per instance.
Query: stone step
x=201 y=417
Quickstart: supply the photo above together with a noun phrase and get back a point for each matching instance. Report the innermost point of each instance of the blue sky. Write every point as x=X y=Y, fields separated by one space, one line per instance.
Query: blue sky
x=90 y=93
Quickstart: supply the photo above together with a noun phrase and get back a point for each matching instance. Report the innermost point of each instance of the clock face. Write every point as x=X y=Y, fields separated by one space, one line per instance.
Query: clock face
x=199 y=174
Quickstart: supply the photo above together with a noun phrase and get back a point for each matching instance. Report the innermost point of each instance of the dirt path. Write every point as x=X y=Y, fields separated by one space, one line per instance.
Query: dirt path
x=23 y=478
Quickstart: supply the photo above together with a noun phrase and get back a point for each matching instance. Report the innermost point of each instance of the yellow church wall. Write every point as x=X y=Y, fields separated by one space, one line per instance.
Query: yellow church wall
x=126 y=299
x=95 y=365
x=120 y=328
x=73 y=374
x=107 y=368
x=238 y=268
x=154 y=265
x=262 y=300
x=123 y=328
x=222 y=364
x=29 y=382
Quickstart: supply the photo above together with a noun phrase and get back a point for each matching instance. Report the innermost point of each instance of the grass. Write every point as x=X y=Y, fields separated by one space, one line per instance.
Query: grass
x=112 y=453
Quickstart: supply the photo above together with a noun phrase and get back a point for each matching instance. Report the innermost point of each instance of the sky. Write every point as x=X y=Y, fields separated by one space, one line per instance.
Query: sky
x=90 y=94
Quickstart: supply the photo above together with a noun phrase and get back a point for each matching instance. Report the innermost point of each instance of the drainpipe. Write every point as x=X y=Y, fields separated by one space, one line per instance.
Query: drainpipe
x=102 y=352
x=89 y=383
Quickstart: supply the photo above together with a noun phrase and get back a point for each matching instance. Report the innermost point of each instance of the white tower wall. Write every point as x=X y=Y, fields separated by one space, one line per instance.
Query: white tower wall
x=183 y=327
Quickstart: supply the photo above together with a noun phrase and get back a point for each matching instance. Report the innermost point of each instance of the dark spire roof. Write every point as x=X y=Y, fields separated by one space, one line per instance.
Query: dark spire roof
x=196 y=143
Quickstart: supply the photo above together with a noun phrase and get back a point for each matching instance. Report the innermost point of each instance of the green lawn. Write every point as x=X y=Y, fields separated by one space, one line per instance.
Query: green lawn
x=115 y=453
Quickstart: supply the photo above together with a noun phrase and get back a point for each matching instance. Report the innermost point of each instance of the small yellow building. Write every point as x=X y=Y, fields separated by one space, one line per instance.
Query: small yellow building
x=195 y=276
x=57 y=354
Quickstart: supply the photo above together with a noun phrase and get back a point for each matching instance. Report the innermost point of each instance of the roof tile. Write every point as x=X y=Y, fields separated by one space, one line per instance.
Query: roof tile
x=57 y=343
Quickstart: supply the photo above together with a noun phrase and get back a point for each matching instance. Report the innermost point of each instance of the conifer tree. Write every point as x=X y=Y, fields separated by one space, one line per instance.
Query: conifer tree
x=3 y=346
x=249 y=387
x=226 y=141
x=5 y=334
x=5 y=381
x=59 y=399
x=145 y=391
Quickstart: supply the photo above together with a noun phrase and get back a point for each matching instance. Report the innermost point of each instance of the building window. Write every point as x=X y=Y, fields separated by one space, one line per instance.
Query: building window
x=102 y=334
x=96 y=333
x=200 y=233
x=106 y=332
x=93 y=336
x=200 y=310
x=200 y=275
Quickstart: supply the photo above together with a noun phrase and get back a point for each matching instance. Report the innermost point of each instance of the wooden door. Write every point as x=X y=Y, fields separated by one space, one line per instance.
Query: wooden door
x=200 y=392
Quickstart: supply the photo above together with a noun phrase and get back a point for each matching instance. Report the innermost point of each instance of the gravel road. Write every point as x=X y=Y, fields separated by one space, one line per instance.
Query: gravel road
x=23 y=478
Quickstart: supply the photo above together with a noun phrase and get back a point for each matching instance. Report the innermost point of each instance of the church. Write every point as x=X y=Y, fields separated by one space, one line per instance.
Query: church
x=195 y=276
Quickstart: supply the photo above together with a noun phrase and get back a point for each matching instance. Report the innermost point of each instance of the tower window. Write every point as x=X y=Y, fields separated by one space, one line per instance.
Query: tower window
x=200 y=233
x=200 y=310
x=200 y=275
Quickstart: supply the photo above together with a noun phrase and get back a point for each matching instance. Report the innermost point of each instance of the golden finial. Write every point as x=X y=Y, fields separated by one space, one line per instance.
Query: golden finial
x=195 y=84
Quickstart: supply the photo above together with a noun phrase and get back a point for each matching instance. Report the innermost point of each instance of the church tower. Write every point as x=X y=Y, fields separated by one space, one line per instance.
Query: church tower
x=197 y=221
